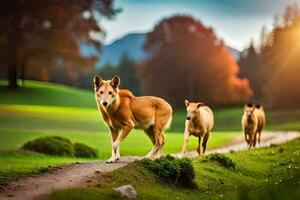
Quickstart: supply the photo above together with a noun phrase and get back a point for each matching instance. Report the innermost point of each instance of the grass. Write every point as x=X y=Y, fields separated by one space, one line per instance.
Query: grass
x=15 y=163
x=45 y=109
x=277 y=177
x=137 y=143
x=50 y=102
x=43 y=93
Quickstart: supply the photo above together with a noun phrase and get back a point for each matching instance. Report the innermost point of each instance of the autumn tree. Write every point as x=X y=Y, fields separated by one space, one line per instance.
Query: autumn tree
x=273 y=71
x=281 y=61
x=45 y=33
x=187 y=61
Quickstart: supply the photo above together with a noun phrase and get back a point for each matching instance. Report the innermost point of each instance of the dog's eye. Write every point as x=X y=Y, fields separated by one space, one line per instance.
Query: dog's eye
x=101 y=92
x=110 y=92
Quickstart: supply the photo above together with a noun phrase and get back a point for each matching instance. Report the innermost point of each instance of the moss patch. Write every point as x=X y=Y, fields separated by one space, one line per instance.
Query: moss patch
x=82 y=150
x=59 y=146
x=52 y=145
x=221 y=159
x=175 y=172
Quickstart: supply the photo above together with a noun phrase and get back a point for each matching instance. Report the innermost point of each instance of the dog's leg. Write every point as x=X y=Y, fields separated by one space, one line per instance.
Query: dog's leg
x=150 y=134
x=247 y=138
x=251 y=140
x=254 y=139
x=160 y=141
x=115 y=155
x=199 y=146
x=259 y=133
x=185 y=142
x=204 y=142
x=125 y=130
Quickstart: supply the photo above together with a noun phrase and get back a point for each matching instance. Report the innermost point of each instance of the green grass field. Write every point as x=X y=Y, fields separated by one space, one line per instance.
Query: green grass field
x=268 y=173
x=41 y=109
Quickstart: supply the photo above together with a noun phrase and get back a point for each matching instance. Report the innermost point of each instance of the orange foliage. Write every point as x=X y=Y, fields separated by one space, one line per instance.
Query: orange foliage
x=187 y=61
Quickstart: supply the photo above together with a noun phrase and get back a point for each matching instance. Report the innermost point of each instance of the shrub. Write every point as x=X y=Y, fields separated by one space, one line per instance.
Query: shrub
x=51 y=145
x=175 y=172
x=82 y=150
x=221 y=159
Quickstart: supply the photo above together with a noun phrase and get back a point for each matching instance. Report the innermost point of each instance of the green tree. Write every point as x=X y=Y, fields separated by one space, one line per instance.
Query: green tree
x=49 y=31
x=108 y=71
x=128 y=73
x=250 y=69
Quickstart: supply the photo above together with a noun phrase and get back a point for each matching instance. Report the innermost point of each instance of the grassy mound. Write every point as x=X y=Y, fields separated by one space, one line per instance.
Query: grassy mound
x=221 y=159
x=175 y=172
x=82 y=150
x=56 y=145
x=51 y=145
x=43 y=93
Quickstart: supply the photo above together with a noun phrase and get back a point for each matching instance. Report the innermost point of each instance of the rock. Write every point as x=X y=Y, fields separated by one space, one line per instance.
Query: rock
x=127 y=191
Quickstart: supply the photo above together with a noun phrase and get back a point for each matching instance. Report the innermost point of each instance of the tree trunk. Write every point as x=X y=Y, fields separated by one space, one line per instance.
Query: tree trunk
x=14 y=39
x=13 y=73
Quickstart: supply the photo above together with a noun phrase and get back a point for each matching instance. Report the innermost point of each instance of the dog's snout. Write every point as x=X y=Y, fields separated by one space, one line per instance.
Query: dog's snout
x=105 y=103
x=188 y=117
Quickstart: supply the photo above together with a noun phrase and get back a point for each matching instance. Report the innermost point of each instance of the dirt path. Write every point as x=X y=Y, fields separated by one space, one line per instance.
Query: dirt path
x=82 y=174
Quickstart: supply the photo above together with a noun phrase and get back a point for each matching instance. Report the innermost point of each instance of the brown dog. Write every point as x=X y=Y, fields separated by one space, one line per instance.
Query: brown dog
x=122 y=112
x=253 y=121
x=199 y=122
x=249 y=124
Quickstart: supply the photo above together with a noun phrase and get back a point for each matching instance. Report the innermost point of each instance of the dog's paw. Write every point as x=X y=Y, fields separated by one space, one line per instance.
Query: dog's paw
x=150 y=157
x=180 y=155
x=112 y=160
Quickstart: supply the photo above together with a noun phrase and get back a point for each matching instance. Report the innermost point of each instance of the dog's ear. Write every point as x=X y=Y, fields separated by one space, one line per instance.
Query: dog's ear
x=115 y=81
x=97 y=81
x=200 y=104
x=187 y=103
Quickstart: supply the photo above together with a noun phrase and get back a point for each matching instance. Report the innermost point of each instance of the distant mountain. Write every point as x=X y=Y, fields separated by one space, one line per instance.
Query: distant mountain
x=132 y=45
x=234 y=52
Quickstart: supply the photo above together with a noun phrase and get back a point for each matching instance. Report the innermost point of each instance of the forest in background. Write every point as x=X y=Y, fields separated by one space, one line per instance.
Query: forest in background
x=186 y=60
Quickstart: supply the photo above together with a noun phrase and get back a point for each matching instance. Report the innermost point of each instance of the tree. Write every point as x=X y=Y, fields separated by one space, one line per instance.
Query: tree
x=186 y=60
x=127 y=71
x=250 y=69
x=281 y=63
x=50 y=29
x=274 y=71
x=108 y=71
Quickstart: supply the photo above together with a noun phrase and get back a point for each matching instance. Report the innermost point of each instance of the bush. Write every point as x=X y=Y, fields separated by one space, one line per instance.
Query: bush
x=51 y=145
x=56 y=145
x=82 y=150
x=221 y=159
x=175 y=172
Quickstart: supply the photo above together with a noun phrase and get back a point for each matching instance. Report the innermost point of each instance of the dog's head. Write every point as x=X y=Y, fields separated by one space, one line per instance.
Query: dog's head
x=249 y=110
x=192 y=108
x=106 y=91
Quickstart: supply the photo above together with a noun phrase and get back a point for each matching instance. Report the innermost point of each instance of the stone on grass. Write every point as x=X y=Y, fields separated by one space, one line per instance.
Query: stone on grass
x=127 y=191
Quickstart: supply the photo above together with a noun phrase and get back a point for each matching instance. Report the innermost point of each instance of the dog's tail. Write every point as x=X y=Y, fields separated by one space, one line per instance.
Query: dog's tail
x=168 y=124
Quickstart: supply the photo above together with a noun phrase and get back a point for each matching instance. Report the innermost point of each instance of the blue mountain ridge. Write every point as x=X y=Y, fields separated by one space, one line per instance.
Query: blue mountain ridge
x=131 y=45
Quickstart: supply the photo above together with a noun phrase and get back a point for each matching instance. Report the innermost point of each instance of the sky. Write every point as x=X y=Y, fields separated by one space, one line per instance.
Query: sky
x=235 y=21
